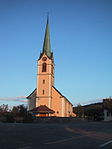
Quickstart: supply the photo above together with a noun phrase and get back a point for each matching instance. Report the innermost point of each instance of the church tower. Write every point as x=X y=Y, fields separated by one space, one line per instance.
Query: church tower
x=46 y=100
x=45 y=75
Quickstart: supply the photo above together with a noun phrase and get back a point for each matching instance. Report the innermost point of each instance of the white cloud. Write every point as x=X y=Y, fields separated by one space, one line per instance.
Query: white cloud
x=14 y=99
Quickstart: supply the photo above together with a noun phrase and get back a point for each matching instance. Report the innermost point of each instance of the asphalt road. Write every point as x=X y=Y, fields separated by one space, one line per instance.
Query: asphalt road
x=77 y=135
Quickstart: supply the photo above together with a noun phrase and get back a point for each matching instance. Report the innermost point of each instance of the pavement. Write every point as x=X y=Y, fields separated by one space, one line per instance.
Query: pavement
x=75 y=135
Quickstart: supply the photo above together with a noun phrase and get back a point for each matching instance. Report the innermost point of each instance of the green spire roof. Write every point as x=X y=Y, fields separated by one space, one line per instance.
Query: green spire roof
x=46 y=45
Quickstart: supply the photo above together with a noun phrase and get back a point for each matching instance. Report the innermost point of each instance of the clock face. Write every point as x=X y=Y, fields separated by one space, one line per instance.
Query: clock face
x=44 y=58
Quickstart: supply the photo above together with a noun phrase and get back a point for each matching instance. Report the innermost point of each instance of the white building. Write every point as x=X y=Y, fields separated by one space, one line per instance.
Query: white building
x=107 y=104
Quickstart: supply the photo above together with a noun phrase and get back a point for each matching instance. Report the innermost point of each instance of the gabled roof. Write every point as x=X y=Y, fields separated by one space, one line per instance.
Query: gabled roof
x=34 y=92
x=62 y=95
x=42 y=109
x=41 y=54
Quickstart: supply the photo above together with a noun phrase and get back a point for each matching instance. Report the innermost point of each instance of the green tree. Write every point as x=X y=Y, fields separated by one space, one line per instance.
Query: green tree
x=19 y=111
x=78 y=110
x=94 y=112
x=3 y=109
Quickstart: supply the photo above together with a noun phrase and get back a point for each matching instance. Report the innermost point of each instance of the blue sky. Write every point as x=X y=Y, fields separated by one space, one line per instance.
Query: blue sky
x=81 y=39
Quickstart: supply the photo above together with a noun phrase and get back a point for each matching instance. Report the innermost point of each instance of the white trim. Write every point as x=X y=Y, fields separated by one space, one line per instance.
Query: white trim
x=62 y=107
x=37 y=91
x=49 y=88
x=37 y=84
x=67 y=109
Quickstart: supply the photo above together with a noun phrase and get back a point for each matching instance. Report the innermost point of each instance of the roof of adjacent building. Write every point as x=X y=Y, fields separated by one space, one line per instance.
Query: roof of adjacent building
x=107 y=103
x=42 y=109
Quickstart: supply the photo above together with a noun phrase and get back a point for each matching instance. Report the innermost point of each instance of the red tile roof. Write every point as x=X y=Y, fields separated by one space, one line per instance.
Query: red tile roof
x=42 y=109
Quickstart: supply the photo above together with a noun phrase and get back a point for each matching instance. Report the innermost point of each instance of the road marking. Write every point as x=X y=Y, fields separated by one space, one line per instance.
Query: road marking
x=65 y=140
x=59 y=141
x=102 y=145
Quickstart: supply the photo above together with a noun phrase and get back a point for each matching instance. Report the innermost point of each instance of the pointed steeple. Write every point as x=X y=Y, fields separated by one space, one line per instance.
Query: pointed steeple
x=46 y=45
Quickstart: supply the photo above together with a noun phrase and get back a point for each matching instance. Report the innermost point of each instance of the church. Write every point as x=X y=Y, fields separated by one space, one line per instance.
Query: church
x=46 y=100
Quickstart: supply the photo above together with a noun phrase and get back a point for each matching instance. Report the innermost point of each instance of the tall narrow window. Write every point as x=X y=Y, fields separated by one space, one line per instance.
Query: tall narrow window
x=43 y=81
x=44 y=67
x=43 y=92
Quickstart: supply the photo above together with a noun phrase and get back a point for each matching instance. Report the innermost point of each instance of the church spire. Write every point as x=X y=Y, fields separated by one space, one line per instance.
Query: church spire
x=46 y=45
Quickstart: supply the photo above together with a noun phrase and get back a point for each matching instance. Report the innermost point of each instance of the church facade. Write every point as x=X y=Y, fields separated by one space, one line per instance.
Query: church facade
x=46 y=100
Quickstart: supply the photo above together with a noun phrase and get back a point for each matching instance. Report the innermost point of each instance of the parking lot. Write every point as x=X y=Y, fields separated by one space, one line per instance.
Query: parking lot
x=75 y=135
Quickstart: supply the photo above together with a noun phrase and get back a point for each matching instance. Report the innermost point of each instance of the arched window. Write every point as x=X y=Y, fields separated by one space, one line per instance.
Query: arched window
x=44 y=67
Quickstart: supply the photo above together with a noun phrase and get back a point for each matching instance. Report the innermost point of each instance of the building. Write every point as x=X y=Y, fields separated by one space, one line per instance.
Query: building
x=107 y=115
x=107 y=104
x=101 y=111
x=46 y=100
